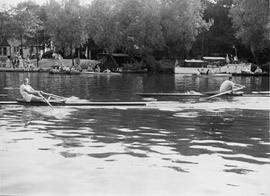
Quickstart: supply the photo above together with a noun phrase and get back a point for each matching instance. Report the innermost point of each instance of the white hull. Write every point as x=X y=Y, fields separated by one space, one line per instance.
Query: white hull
x=229 y=68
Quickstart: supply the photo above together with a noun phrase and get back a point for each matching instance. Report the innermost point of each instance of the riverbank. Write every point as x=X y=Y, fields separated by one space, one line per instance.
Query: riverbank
x=162 y=66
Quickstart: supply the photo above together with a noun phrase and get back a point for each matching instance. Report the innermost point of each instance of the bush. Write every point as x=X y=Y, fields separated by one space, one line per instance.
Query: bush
x=166 y=65
x=48 y=55
x=88 y=64
x=150 y=63
x=266 y=67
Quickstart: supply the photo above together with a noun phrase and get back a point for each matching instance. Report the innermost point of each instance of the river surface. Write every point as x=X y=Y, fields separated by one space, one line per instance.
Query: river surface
x=170 y=147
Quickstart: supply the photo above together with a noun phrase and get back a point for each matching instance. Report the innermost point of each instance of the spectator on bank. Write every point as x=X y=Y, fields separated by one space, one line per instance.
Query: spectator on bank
x=227 y=59
x=59 y=57
x=107 y=71
x=258 y=70
x=97 y=68
x=8 y=63
x=231 y=58
x=13 y=61
x=20 y=62
x=17 y=63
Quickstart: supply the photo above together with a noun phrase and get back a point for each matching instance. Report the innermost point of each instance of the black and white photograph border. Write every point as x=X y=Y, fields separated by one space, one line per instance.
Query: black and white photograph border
x=134 y=97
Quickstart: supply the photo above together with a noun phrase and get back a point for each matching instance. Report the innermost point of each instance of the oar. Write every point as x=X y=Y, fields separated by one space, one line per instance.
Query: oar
x=46 y=101
x=260 y=92
x=52 y=95
x=223 y=93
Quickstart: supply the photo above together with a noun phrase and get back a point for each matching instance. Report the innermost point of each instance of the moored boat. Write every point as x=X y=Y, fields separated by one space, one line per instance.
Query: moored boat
x=210 y=65
x=69 y=72
x=100 y=73
x=22 y=70
x=216 y=75
x=251 y=74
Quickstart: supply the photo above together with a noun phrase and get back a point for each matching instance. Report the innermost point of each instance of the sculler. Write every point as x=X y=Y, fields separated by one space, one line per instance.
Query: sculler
x=229 y=85
x=28 y=93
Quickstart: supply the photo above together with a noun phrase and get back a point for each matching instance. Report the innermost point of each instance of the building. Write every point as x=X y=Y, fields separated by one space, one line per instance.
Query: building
x=12 y=47
x=5 y=49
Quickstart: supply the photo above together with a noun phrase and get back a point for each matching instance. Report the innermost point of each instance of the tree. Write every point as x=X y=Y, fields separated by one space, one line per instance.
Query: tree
x=5 y=25
x=139 y=26
x=220 y=39
x=182 y=21
x=101 y=24
x=251 y=22
x=65 y=25
x=25 y=21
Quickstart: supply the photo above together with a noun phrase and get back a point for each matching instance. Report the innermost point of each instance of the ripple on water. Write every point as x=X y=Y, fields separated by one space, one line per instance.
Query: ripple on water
x=246 y=158
x=211 y=148
x=220 y=142
x=126 y=130
x=39 y=122
x=162 y=149
x=187 y=114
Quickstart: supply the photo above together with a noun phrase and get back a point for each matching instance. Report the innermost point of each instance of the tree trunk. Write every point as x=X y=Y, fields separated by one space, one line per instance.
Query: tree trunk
x=252 y=49
x=90 y=54
x=71 y=54
x=37 y=55
x=202 y=44
x=21 y=46
x=64 y=51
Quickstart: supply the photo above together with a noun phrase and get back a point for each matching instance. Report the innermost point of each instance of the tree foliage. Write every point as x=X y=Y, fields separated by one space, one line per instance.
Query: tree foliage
x=64 y=24
x=101 y=24
x=5 y=25
x=25 y=20
x=251 y=21
x=220 y=37
x=139 y=26
x=169 y=28
x=182 y=22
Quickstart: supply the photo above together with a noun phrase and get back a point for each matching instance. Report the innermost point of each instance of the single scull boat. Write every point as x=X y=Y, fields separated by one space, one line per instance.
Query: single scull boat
x=67 y=103
x=193 y=94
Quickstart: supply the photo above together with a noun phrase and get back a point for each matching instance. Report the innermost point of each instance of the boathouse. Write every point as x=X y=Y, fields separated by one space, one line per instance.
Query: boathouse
x=5 y=49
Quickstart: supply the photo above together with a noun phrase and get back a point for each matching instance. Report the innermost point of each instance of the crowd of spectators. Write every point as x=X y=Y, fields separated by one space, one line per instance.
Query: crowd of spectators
x=17 y=62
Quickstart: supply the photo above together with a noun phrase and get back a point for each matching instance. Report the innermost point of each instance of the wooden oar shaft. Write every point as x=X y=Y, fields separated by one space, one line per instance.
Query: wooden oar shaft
x=261 y=92
x=45 y=100
x=52 y=95
x=223 y=93
x=219 y=94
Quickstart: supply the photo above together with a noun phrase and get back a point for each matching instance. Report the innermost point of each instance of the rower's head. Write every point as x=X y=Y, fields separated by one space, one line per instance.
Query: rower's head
x=230 y=78
x=26 y=81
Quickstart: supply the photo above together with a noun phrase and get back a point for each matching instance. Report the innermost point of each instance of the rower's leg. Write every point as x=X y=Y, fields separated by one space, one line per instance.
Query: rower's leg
x=36 y=99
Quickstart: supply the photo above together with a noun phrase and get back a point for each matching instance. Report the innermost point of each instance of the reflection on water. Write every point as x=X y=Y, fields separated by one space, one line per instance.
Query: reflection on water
x=172 y=148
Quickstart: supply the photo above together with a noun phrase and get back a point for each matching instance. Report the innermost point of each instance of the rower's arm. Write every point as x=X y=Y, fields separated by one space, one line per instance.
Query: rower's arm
x=238 y=85
x=31 y=91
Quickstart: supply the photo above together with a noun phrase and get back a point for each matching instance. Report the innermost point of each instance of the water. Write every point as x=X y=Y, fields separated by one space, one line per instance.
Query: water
x=172 y=147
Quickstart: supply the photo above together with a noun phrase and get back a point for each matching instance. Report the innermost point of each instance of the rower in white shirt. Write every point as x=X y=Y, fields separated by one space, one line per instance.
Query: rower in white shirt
x=28 y=93
x=228 y=85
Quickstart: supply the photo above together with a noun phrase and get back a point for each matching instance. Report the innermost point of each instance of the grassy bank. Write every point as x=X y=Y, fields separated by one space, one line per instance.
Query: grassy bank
x=46 y=64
